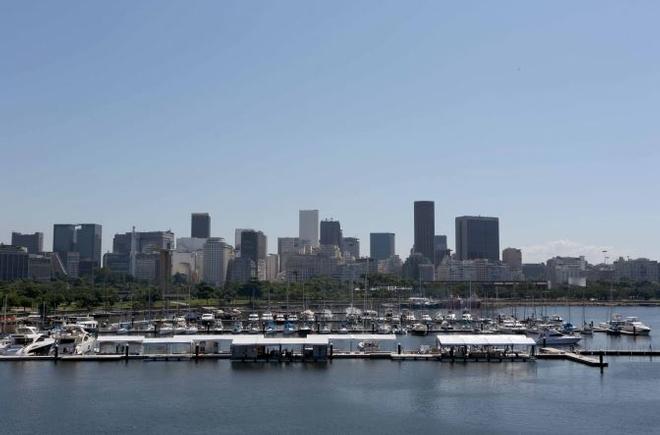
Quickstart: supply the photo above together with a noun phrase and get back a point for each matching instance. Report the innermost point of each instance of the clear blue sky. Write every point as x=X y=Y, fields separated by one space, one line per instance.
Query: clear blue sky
x=545 y=114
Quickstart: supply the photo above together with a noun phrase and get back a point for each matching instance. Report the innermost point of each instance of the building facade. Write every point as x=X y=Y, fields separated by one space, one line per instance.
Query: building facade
x=331 y=233
x=34 y=243
x=350 y=247
x=477 y=237
x=200 y=225
x=308 y=227
x=381 y=246
x=424 y=217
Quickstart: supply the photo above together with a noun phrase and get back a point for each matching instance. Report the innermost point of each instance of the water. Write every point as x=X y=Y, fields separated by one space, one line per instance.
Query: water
x=356 y=396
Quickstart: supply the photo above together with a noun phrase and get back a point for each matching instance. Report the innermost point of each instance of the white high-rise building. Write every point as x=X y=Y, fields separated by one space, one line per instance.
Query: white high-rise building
x=216 y=260
x=308 y=227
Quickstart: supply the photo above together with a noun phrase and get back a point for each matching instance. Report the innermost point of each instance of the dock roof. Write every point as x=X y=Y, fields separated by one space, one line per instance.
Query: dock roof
x=484 y=340
x=253 y=340
x=361 y=337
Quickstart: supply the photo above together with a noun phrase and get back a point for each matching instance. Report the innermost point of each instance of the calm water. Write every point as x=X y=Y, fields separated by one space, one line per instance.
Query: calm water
x=339 y=397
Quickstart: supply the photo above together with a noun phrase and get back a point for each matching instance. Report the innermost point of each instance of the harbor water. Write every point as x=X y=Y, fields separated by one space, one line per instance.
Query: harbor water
x=343 y=396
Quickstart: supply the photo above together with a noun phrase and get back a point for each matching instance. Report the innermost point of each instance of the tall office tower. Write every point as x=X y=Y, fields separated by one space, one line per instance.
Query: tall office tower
x=331 y=233
x=439 y=247
x=237 y=238
x=14 y=263
x=308 y=227
x=200 y=225
x=477 y=237
x=217 y=255
x=512 y=257
x=34 y=243
x=425 y=228
x=88 y=242
x=381 y=245
x=350 y=246
x=145 y=242
x=64 y=239
x=253 y=245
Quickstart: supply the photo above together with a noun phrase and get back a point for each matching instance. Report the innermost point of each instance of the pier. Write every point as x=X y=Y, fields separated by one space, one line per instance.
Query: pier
x=554 y=353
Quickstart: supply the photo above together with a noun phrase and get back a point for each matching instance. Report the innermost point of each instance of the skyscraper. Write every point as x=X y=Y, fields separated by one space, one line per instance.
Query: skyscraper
x=64 y=239
x=477 y=237
x=331 y=233
x=88 y=242
x=253 y=245
x=424 y=228
x=34 y=243
x=308 y=227
x=200 y=225
x=381 y=245
x=217 y=255
x=512 y=257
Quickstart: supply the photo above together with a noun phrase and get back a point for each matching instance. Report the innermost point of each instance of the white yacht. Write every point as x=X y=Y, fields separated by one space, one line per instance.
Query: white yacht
x=511 y=326
x=88 y=323
x=280 y=318
x=27 y=341
x=253 y=317
x=467 y=316
x=327 y=315
x=74 y=340
x=266 y=316
x=552 y=337
x=353 y=313
x=325 y=329
x=426 y=318
x=632 y=326
x=307 y=315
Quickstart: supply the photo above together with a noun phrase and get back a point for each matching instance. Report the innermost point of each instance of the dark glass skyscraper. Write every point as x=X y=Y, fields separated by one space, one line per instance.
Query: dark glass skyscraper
x=253 y=245
x=331 y=233
x=381 y=245
x=477 y=237
x=64 y=239
x=424 y=228
x=200 y=225
x=88 y=242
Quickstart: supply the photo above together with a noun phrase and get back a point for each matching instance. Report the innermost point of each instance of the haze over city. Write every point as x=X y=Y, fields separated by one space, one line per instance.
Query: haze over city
x=136 y=115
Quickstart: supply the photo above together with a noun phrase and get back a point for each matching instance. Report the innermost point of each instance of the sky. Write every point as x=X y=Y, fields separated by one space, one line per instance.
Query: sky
x=127 y=113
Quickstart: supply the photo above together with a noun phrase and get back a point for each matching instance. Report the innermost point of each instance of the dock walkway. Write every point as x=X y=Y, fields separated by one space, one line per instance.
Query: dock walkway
x=554 y=353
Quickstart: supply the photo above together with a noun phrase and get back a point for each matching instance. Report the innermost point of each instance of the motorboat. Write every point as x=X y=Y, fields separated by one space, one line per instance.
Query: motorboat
x=343 y=329
x=632 y=326
x=511 y=326
x=419 y=329
x=325 y=329
x=27 y=340
x=289 y=328
x=253 y=317
x=207 y=318
x=466 y=316
x=74 y=340
x=327 y=315
x=451 y=317
x=217 y=327
x=552 y=337
x=280 y=318
x=292 y=318
x=369 y=315
x=270 y=329
x=426 y=318
x=166 y=329
x=88 y=323
x=237 y=328
x=307 y=315
x=439 y=317
x=191 y=330
x=253 y=328
x=446 y=326
x=266 y=316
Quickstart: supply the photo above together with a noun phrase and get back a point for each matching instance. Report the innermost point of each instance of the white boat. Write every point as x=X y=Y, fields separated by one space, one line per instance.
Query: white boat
x=74 y=340
x=237 y=328
x=632 y=326
x=307 y=315
x=369 y=314
x=253 y=317
x=439 y=317
x=207 y=318
x=450 y=316
x=467 y=316
x=327 y=315
x=253 y=328
x=218 y=327
x=426 y=318
x=292 y=318
x=384 y=328
x=419 y=329
x=266 y=316
x=27 y=341
x=325 y=329
x=552 y=337
x=88 y=323
x=353 y=313
x=511 y=326
x=280 y=318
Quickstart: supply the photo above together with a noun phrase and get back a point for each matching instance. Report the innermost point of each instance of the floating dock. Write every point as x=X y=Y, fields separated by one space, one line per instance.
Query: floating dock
x=554 y=353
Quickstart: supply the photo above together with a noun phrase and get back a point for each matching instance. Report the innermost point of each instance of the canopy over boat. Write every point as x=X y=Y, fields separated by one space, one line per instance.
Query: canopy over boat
x=484 y=340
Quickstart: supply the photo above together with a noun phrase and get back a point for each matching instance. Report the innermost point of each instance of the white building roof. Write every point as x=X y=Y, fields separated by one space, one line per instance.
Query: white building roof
x=484 y=340
x=360 y=337
x=120 y=338
x=253 y=340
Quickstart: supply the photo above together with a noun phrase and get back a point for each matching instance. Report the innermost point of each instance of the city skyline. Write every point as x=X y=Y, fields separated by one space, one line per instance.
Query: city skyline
x=482 y=122
x=531 y=254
